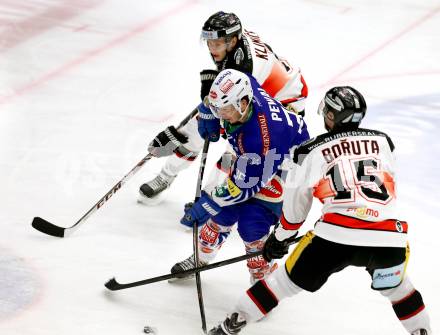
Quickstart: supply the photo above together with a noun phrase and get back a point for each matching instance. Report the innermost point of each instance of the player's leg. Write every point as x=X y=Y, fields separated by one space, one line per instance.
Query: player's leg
x=254 y=224
x=307 y=268
x=179 y=161
x=387 y=270
x=212 y=235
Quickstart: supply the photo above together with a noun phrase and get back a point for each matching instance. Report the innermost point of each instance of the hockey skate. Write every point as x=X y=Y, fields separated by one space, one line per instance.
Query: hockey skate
x=232 y=325
x=184 y=265
x=420 y=332
x=150 y=191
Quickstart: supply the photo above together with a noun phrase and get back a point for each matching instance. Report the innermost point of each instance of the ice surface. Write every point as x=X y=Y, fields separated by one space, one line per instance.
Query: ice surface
x=85 y=85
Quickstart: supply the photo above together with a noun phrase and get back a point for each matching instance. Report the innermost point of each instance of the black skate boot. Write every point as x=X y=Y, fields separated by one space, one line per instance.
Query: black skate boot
x=420 y=332
x=184 y=265
x=154 y=187
x=232 y=325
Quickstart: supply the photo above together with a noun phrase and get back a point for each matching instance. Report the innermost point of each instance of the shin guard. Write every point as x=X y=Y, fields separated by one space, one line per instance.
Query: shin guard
x=408 y=305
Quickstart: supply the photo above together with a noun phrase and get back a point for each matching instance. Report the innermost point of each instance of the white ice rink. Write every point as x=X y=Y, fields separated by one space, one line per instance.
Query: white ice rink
x=86 y=84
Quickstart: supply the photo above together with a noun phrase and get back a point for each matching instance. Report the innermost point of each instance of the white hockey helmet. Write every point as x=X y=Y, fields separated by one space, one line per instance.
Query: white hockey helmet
x=229 y=88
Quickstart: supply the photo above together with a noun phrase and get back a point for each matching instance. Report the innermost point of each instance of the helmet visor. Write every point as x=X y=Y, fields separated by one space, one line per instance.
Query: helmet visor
x=323 y=108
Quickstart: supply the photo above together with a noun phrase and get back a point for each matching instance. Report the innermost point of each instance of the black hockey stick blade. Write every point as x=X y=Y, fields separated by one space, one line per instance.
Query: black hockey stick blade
x=47 y=227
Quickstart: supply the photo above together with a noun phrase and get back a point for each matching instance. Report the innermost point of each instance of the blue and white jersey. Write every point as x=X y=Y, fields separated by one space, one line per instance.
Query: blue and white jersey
x=261 y=144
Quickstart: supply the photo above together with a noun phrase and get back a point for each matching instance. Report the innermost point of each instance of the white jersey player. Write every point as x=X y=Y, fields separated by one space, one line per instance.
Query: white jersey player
x=351 y=171
x=230 y=47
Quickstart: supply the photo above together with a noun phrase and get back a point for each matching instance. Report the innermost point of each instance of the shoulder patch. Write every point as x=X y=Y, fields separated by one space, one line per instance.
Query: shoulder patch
x=233 y=189
x=380 y=133
x=306 y=147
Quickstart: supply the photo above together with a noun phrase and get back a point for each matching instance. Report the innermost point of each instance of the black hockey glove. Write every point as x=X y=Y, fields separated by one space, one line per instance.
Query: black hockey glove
x=274 y=249
x=207 y=78
x=166 y=142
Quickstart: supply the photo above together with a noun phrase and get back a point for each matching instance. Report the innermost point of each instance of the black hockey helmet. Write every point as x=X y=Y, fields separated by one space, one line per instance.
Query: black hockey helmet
x=347 y=105
x=220 y=25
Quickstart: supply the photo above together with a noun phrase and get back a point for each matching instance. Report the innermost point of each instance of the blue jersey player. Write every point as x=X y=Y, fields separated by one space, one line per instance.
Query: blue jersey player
x=262 y=133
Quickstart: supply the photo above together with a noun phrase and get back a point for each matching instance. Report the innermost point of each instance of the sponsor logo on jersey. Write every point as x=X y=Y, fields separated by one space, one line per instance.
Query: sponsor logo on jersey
x=233 y=189
x=264 y=133
x=240 y=143
x=272 y=192
x=364 y=212
x=226 y=87
x=221 y=191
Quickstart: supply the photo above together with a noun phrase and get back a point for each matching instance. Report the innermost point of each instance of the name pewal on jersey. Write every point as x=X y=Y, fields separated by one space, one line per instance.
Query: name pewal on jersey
x=262 y=143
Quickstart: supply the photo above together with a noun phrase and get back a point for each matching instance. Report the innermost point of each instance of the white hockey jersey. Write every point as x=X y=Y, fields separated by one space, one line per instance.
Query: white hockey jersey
x=352 y=174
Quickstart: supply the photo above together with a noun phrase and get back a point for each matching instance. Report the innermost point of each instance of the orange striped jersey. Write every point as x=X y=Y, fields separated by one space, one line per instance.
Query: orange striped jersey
x=352 y=174
x=281 y=80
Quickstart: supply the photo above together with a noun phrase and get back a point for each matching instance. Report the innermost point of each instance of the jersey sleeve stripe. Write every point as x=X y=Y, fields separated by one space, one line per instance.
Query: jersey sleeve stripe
x=289 y=226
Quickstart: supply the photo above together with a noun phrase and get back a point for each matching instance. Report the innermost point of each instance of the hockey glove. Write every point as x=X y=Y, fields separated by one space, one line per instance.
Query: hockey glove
x=166 y=142
x=274 y=249
x=208 y=125
x=207 y=77
x=200 y=211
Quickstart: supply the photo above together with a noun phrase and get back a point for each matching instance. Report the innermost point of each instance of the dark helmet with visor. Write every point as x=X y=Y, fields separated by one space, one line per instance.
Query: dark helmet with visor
x=220 y=25
x=347 y=105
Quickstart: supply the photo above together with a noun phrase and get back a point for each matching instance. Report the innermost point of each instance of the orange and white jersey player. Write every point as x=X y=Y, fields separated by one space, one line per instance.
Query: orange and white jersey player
x=352 y=173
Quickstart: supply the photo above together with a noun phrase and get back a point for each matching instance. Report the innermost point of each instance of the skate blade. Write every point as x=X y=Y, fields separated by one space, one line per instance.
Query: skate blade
x=143 y=200
x=181 y=280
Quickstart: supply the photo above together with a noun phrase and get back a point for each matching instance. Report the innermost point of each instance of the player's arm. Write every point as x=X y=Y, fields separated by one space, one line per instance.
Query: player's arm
x=296 y=206
x=166 y=142
x=250 y=172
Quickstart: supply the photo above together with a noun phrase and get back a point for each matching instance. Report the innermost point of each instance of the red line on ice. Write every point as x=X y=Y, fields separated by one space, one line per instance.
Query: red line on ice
x=149 y=24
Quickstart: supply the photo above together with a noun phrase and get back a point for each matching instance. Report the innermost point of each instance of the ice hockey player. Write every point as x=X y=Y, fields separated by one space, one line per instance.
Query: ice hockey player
x=351 y=171
x=261 y=132
x=230 y=47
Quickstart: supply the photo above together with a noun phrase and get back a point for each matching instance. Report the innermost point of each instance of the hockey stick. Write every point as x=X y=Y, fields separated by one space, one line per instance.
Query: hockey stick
x=196 y=234
x=113 y=285
x=49 y=228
